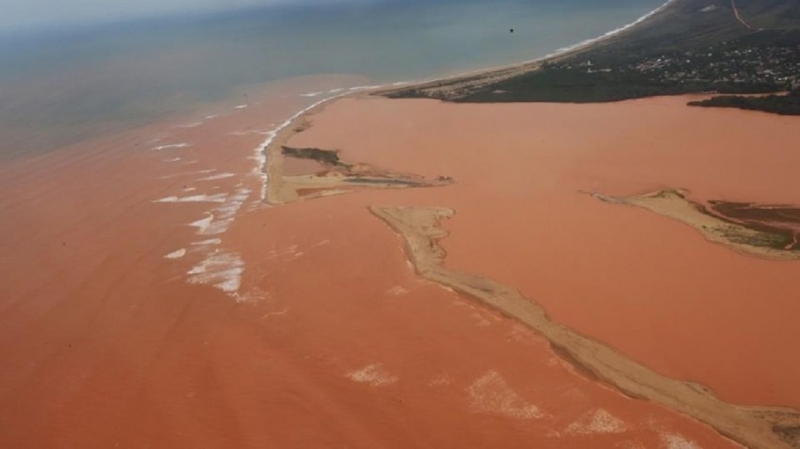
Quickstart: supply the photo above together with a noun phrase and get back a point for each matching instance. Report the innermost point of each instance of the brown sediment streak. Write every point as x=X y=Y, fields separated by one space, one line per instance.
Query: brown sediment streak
x=757 y=428
x=336 y=177
x=767 y=231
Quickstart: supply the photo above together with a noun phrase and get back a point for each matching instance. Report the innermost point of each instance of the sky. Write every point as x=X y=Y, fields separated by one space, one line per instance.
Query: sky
x=26 y=14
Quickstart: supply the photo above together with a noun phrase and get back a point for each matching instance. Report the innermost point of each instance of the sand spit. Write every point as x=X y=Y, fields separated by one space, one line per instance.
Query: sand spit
x=334 y=177
x=286 y=128
x=758 y=230
x=215 y=198
x=653 y=289
x=415 y=370
x=757 y=428
x=338 y=177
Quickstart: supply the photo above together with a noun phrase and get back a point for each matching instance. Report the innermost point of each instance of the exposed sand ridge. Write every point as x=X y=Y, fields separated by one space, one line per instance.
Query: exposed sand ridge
x=760 y=428
x=769 y=231
x=332 y=176
x=460 y=85
x=261 y=153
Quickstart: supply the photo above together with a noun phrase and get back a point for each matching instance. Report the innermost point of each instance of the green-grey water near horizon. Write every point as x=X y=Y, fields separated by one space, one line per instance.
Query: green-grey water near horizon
x=60 y=86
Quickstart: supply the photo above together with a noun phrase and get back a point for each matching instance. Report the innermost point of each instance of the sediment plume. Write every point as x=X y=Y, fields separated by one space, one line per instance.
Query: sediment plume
x=757 y=428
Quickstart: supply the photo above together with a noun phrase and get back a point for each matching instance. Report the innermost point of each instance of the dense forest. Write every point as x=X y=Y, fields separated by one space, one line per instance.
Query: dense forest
x=694 y=46
x=788 y=104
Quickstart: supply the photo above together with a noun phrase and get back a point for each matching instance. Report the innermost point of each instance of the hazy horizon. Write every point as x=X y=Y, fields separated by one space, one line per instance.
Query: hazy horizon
x=59 y=86
x=40 y=15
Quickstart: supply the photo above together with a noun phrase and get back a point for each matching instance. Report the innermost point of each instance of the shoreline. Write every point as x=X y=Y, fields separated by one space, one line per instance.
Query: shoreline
x=355 y=321
x=767 y=427
x=748 y=425
x=277 y=134
x=751 y=426
x=517 y=68
x=262 y=150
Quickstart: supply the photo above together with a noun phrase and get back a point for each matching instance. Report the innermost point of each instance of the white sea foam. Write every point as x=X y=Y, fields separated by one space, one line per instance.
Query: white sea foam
x=260 y=152
x=219 y=219
x=209 y=117
x=220 y=269
x=196 y=172
x=331 y=92
x=171 y=146
x=612 y=32
x=226 y=214
x=491 y=394
x=558 y=52
x=375 y=375
x=176 y=254
x=241 y=106
x=374 y=86
x=247 y=132
x=219 y=176
x=210 y=225
x=675 y=441
x=190 y=125
x=597 y=421
x=207 y=242
x=174 y=159
x=217 y=198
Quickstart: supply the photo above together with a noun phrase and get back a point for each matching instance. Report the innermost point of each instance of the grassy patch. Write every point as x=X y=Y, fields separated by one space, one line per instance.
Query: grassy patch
x=325 y=157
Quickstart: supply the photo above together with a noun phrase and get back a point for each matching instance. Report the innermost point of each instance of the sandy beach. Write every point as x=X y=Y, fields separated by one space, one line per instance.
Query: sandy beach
x=156 y=299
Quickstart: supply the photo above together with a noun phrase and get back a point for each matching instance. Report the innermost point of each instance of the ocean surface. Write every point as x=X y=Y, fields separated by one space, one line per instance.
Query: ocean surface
x=60 y=86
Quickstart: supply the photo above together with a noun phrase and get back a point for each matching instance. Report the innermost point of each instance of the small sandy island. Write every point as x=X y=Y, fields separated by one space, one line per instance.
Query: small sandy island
x=606 y=285
x=761 y=230
x=307 y=173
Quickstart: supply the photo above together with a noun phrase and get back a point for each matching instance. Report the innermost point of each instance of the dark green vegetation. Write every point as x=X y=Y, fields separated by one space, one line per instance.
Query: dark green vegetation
x=389 y=181
x=692 y=46
x=751 y=64
x=788 y=104
x=789 y=434
x=325 y=157
x=778 y=225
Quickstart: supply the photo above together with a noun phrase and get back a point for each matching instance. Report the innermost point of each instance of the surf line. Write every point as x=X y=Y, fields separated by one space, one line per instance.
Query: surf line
x=260 y=152
x=755 y=427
